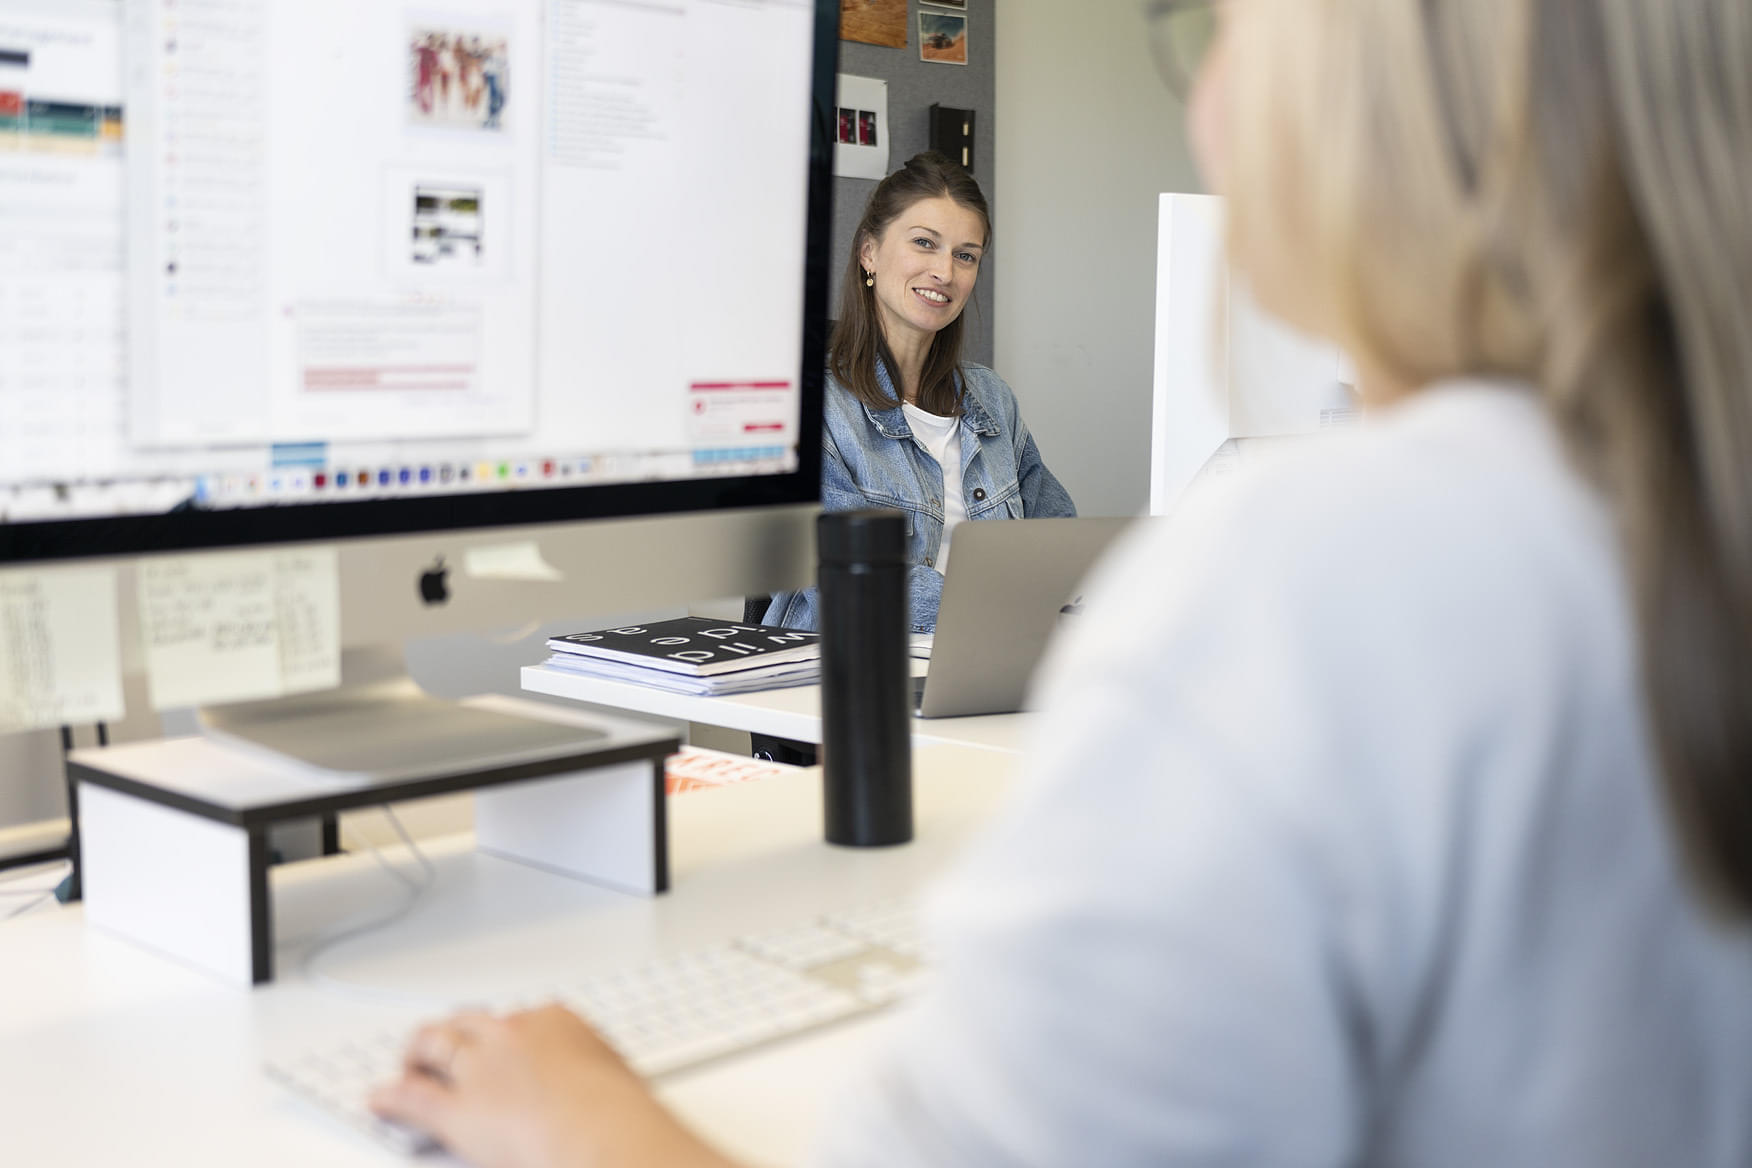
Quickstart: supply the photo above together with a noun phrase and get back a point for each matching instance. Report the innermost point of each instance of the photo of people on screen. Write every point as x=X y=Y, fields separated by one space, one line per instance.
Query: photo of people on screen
x=457 y=79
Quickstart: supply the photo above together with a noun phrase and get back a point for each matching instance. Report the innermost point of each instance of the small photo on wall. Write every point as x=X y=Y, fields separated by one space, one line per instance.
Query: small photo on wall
x=942 y=38
x=861 y=108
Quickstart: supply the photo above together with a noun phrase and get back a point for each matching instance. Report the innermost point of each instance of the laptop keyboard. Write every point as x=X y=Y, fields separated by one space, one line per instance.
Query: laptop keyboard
x=669 y=1014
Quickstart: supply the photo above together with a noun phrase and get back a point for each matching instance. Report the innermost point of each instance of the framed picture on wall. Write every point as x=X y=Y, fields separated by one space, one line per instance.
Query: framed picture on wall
x=874 y=22
x=942 y=37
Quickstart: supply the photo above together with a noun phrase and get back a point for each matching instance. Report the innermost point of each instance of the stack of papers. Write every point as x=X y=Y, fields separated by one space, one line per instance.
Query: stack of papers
x=693 y=655
x=711 y=685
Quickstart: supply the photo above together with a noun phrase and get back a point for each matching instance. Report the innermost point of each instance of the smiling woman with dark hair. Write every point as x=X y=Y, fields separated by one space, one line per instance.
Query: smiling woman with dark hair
x=907 y=423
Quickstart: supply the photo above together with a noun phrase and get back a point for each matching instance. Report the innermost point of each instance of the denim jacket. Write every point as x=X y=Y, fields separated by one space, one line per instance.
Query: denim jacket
x=869 y=458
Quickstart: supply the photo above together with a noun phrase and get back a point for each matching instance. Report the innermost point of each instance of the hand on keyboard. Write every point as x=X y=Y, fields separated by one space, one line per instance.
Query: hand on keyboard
x=533 y=1089
x=665 y=1015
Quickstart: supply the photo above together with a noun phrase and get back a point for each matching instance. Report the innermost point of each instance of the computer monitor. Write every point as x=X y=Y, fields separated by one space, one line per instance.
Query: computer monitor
x=1231 y=381
x=519 y=304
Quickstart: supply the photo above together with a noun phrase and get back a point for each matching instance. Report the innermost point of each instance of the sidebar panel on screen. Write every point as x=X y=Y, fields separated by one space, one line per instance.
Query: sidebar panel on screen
x=673 y=226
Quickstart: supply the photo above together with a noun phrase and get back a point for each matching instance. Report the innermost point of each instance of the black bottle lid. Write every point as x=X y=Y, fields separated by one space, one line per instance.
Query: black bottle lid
x=861 y=537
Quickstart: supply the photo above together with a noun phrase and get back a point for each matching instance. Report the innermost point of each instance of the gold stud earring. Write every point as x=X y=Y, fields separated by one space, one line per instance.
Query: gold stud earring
x=869 y=279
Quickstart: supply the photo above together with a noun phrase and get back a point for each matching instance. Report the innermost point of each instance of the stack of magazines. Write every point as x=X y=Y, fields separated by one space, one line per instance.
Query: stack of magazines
x=693 y=655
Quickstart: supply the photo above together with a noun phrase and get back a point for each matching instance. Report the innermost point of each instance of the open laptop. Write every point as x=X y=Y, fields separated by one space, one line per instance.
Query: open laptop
x=1009 y=586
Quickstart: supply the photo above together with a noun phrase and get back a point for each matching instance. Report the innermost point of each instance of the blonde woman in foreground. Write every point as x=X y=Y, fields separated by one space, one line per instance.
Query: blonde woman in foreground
x=1396 y=807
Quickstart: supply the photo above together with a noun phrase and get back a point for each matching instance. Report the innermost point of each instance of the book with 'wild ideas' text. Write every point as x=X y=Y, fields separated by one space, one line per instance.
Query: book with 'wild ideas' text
x=695 y=646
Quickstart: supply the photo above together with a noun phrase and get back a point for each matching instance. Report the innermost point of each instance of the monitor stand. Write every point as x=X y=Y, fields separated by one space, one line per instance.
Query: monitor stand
x=380 y=726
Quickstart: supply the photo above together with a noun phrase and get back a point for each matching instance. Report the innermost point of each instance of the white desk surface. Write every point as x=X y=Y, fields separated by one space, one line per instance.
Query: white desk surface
x=794 y=712
x=112 y=1055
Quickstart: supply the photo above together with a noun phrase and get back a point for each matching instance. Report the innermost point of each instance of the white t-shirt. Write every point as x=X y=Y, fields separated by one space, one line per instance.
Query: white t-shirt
x=942 y=437
x=1339 y=843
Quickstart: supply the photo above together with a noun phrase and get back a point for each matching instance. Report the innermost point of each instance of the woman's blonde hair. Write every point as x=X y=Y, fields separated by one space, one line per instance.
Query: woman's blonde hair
x=1560 y=191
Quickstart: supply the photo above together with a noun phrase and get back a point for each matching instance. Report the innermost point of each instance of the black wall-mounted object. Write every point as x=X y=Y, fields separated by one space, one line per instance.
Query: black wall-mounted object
x=952 y=133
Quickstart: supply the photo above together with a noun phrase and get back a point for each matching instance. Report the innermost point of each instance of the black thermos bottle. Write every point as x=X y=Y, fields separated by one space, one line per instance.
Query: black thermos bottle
x=866 y=689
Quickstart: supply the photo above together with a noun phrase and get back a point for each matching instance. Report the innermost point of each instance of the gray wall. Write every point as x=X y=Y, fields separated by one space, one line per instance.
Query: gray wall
x=913 y=86
x=1087 y=137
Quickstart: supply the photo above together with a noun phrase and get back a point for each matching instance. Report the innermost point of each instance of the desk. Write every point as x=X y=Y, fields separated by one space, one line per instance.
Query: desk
x=784 y=713
x=113 y=1055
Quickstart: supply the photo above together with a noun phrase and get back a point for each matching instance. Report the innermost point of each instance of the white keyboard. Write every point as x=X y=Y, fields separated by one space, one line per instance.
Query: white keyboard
x=670 y=1014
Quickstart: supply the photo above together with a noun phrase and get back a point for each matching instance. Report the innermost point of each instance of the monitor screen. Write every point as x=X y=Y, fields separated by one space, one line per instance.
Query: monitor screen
x=1232 y=383
x=292 y=270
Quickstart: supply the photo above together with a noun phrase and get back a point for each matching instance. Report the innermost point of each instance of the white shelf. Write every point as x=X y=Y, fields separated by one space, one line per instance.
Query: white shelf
x=784 y=713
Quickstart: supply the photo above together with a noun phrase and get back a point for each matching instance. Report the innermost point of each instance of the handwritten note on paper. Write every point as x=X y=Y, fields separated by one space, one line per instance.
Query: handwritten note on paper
x=209 y=628
x=60 y=648
x=307 y=598
x=240 y=627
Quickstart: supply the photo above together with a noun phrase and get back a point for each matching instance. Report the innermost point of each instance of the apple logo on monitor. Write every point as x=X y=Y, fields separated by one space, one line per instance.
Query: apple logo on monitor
x=434 y=584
